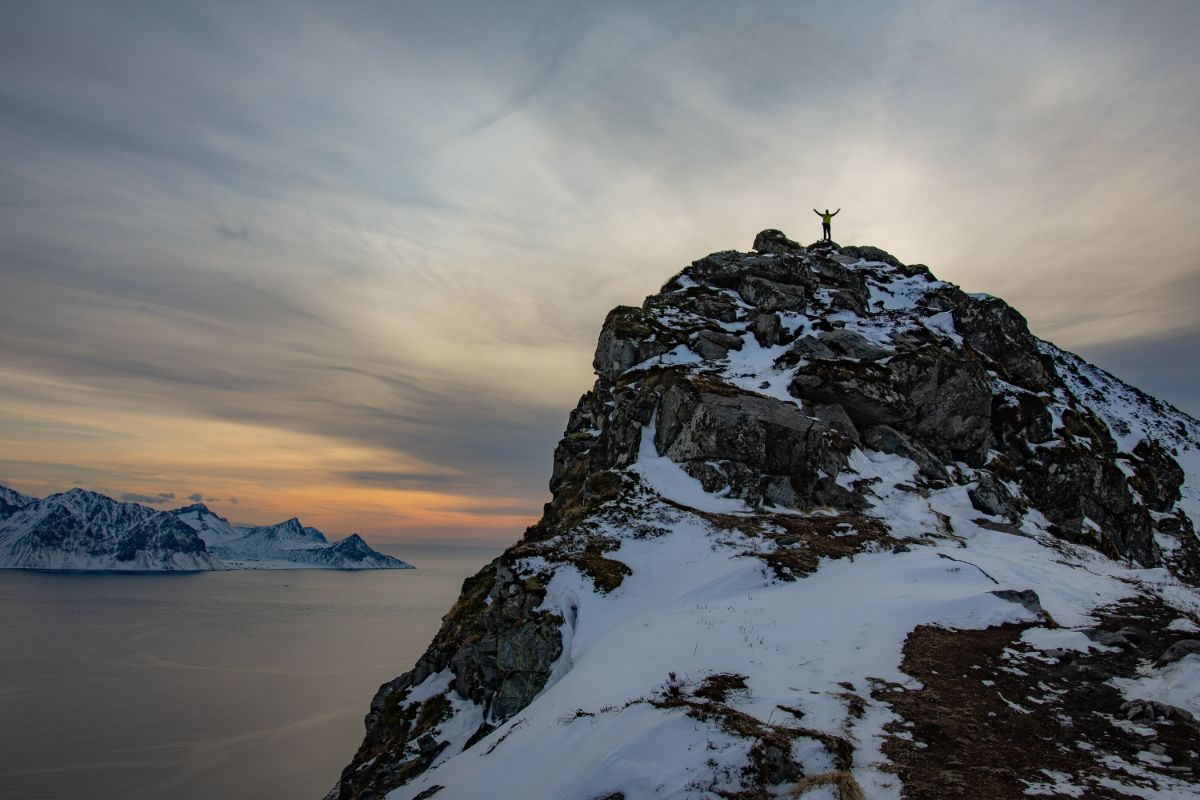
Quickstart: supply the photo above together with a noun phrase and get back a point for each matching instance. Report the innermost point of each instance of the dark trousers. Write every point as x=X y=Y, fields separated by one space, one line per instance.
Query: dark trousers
x=825 y=232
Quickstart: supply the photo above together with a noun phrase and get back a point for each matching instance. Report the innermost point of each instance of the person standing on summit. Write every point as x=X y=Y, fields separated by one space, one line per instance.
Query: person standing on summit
x=826 y=219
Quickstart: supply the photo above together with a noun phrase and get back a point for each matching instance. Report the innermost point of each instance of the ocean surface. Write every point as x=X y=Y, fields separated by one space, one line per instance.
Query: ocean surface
x=248 y=685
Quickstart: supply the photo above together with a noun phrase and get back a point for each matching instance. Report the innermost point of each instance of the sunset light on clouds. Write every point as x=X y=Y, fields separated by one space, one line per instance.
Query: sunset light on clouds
x=348 y=261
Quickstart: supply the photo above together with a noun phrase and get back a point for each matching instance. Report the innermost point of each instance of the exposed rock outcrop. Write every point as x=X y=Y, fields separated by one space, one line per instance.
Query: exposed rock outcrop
x=765 y=417
x=495 y=647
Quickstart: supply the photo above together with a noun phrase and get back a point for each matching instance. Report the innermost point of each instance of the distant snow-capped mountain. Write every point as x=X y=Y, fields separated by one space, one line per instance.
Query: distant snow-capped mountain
x=286 y=545
x=352 y=553
x=82 y=530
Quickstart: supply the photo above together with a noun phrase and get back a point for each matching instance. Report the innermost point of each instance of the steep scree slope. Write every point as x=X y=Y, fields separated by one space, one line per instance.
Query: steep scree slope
x=825 y=526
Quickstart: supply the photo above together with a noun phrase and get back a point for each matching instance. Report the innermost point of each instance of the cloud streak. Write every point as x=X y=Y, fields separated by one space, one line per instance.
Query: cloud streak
x=148 y=499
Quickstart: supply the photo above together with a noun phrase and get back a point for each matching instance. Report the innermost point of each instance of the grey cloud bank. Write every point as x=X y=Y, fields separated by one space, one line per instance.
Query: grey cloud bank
x=148 y=499
x=399 y=225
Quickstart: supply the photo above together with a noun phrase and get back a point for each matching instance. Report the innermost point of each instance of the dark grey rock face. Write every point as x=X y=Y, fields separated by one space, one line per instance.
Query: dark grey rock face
x=625 y=340
x=993 y=497
x=951 y=397
x=939 y=396
x=1087 y=495
x=1158 y=477
x=498 y=648
x=768 y=330
x=770 y=295
x=864 y=390
x=760 y=444
x=836 y=418
x=849 y=344
x=805 y=348
x=714 y=345
x=997 y=331
x=1019 y=421
x=886 y=439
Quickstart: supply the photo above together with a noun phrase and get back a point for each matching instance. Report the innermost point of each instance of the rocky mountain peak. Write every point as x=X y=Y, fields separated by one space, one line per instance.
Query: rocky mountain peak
x=762 y=372
x=774 y=415
x=11 y=500
x=352 y=545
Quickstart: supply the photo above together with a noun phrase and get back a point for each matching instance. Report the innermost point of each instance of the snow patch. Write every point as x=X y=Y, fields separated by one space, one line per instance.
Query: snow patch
x=1176 y=684
x=1062 y=639
x=669 y=480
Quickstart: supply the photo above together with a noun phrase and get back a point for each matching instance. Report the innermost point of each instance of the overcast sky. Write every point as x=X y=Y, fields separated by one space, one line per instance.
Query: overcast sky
x=349 y=260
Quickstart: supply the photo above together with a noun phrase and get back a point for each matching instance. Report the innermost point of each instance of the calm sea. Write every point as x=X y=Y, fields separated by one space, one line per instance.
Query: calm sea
x=213 y=685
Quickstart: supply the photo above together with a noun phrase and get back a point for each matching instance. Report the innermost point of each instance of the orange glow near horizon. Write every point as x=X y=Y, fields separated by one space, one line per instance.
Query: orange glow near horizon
x=250 y=474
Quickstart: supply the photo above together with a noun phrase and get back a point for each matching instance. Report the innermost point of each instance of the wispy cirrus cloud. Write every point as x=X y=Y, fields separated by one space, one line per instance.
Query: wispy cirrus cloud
x=378 y=240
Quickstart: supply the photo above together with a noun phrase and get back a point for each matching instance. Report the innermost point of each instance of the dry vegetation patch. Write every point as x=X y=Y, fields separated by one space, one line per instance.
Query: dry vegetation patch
x=995 y=717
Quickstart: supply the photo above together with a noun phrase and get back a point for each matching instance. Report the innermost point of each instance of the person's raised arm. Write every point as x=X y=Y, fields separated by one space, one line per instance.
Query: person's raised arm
x=834 y=214
x=818 y=213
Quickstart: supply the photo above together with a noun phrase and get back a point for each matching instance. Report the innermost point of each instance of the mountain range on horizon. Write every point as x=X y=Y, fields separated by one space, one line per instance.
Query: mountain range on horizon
x=825 y=527
x=80 y=530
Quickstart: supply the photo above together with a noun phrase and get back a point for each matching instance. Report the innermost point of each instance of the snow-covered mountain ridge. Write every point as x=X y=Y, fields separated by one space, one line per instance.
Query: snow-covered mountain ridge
x=825 y=527
x=82 y=530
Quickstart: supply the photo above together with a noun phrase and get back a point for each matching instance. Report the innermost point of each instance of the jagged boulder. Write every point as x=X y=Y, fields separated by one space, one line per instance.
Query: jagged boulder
x=774 y=241
x=739 y=443
x=992 y=497
x=868 y=253
x=627 y=338
x=1157 y=476
x=951 y=397
x=998 y=331
x=713 y=345
x=939 y=396
x=805 y=348
x=886 y=439
x=771 y=295
x=768 y=330
x=1178 y=651
x=865 y=390
x=1019 y=421
x=850 y=344
x=704 y=303
x=1088 y=497
x=836 y=418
